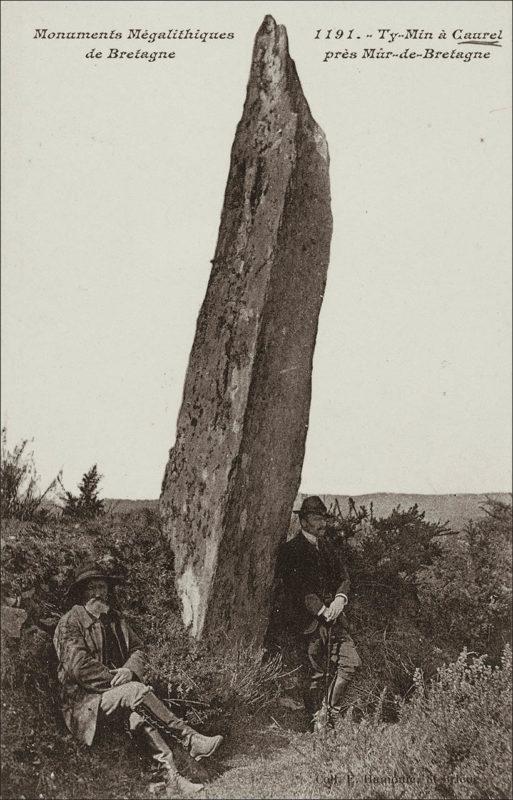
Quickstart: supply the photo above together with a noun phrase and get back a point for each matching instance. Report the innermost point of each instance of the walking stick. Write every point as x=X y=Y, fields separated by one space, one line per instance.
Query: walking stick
x=327 y=676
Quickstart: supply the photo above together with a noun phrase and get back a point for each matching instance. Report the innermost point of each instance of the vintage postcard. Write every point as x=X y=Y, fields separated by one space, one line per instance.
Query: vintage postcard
x=256 y=418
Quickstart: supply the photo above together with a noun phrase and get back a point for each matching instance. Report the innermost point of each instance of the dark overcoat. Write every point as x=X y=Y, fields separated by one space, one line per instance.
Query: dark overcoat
x=82 y=675
x=309 y=578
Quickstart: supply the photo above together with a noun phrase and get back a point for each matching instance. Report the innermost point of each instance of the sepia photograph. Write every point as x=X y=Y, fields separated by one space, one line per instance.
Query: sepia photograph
x=256 y=482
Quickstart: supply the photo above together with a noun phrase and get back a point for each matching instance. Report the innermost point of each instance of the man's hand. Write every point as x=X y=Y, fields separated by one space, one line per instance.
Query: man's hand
x=120 y=675
x=335 y=609
x=329 y=614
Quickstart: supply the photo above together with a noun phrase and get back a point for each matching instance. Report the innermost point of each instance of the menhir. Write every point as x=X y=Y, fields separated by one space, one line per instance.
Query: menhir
x=234 y=471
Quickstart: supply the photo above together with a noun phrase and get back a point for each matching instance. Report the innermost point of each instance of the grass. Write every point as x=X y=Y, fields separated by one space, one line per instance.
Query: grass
x=450 y=739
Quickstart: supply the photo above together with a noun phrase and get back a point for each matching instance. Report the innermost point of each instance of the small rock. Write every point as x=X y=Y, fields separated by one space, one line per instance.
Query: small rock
x=11 y=620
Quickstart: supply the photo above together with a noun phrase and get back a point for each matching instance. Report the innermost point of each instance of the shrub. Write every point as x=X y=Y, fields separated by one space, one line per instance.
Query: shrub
x=466 y=592
x=452 y=740
x=420 y=592
x=400 y=624
x=87 y=504
x=19 y=494
x=38 y=562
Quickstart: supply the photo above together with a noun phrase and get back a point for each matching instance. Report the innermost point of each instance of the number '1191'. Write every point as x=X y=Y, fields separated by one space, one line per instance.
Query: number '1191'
x=338 y=34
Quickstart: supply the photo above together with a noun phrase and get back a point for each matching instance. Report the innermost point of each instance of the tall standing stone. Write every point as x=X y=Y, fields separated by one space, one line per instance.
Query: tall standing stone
x=234 y=471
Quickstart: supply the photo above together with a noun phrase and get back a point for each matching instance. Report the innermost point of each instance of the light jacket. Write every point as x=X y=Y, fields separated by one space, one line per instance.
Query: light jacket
x=82 y=675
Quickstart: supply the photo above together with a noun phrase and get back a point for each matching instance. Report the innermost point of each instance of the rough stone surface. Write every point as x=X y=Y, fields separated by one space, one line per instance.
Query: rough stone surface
x=235 y=469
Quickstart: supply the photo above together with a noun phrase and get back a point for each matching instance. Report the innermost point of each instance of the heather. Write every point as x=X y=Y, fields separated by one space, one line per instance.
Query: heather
x=430 y=610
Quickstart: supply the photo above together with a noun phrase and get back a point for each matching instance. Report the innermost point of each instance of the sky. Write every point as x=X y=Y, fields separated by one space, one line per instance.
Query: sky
x=113 y=180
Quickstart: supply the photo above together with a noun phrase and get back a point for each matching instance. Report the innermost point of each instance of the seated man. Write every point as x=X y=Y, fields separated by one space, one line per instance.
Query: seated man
x=101 y=670
x=315 y=587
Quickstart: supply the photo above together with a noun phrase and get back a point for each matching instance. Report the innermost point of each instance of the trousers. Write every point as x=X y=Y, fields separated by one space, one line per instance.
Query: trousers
x=342 y=662
x=138 y=699
x=146 y=715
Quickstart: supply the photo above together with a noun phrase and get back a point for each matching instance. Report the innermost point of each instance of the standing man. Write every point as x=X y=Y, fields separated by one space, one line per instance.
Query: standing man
x=101 y=674
x=315 y=589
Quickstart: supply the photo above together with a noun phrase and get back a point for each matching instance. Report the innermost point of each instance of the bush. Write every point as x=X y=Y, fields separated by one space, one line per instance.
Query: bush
x=420 y=593
x=19 y=494
x=466 y=592
x=200 y=682
x=452 y=740
x=403 y=618
x=87 y=504
x=38 y=560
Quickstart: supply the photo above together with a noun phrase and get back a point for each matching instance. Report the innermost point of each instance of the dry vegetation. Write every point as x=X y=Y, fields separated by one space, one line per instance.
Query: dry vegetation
x=422 y=599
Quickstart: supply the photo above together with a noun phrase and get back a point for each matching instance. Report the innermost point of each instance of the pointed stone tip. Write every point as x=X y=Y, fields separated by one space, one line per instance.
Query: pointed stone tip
x=269 y=23
x=271 y=37
x=270 y=29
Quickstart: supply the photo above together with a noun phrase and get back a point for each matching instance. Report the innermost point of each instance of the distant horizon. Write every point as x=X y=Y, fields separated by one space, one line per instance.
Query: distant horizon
x=355 y=494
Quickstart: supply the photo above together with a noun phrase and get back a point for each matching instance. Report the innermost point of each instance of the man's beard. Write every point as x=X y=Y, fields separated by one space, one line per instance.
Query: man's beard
x=97 y=606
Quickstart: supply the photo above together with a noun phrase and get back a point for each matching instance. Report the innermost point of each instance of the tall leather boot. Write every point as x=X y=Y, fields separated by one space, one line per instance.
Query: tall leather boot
x=159 y=716
x=176 y=784
x=312 y=702
x=340 y=700
x=337 y=691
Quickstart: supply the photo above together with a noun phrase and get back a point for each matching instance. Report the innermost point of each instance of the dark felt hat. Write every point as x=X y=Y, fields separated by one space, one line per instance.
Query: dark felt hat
x=313 y=505
x=90 y=570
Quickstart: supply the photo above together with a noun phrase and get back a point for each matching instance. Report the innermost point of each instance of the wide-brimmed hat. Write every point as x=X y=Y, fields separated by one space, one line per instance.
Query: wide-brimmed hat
x=90 y=570
x=313 y=505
